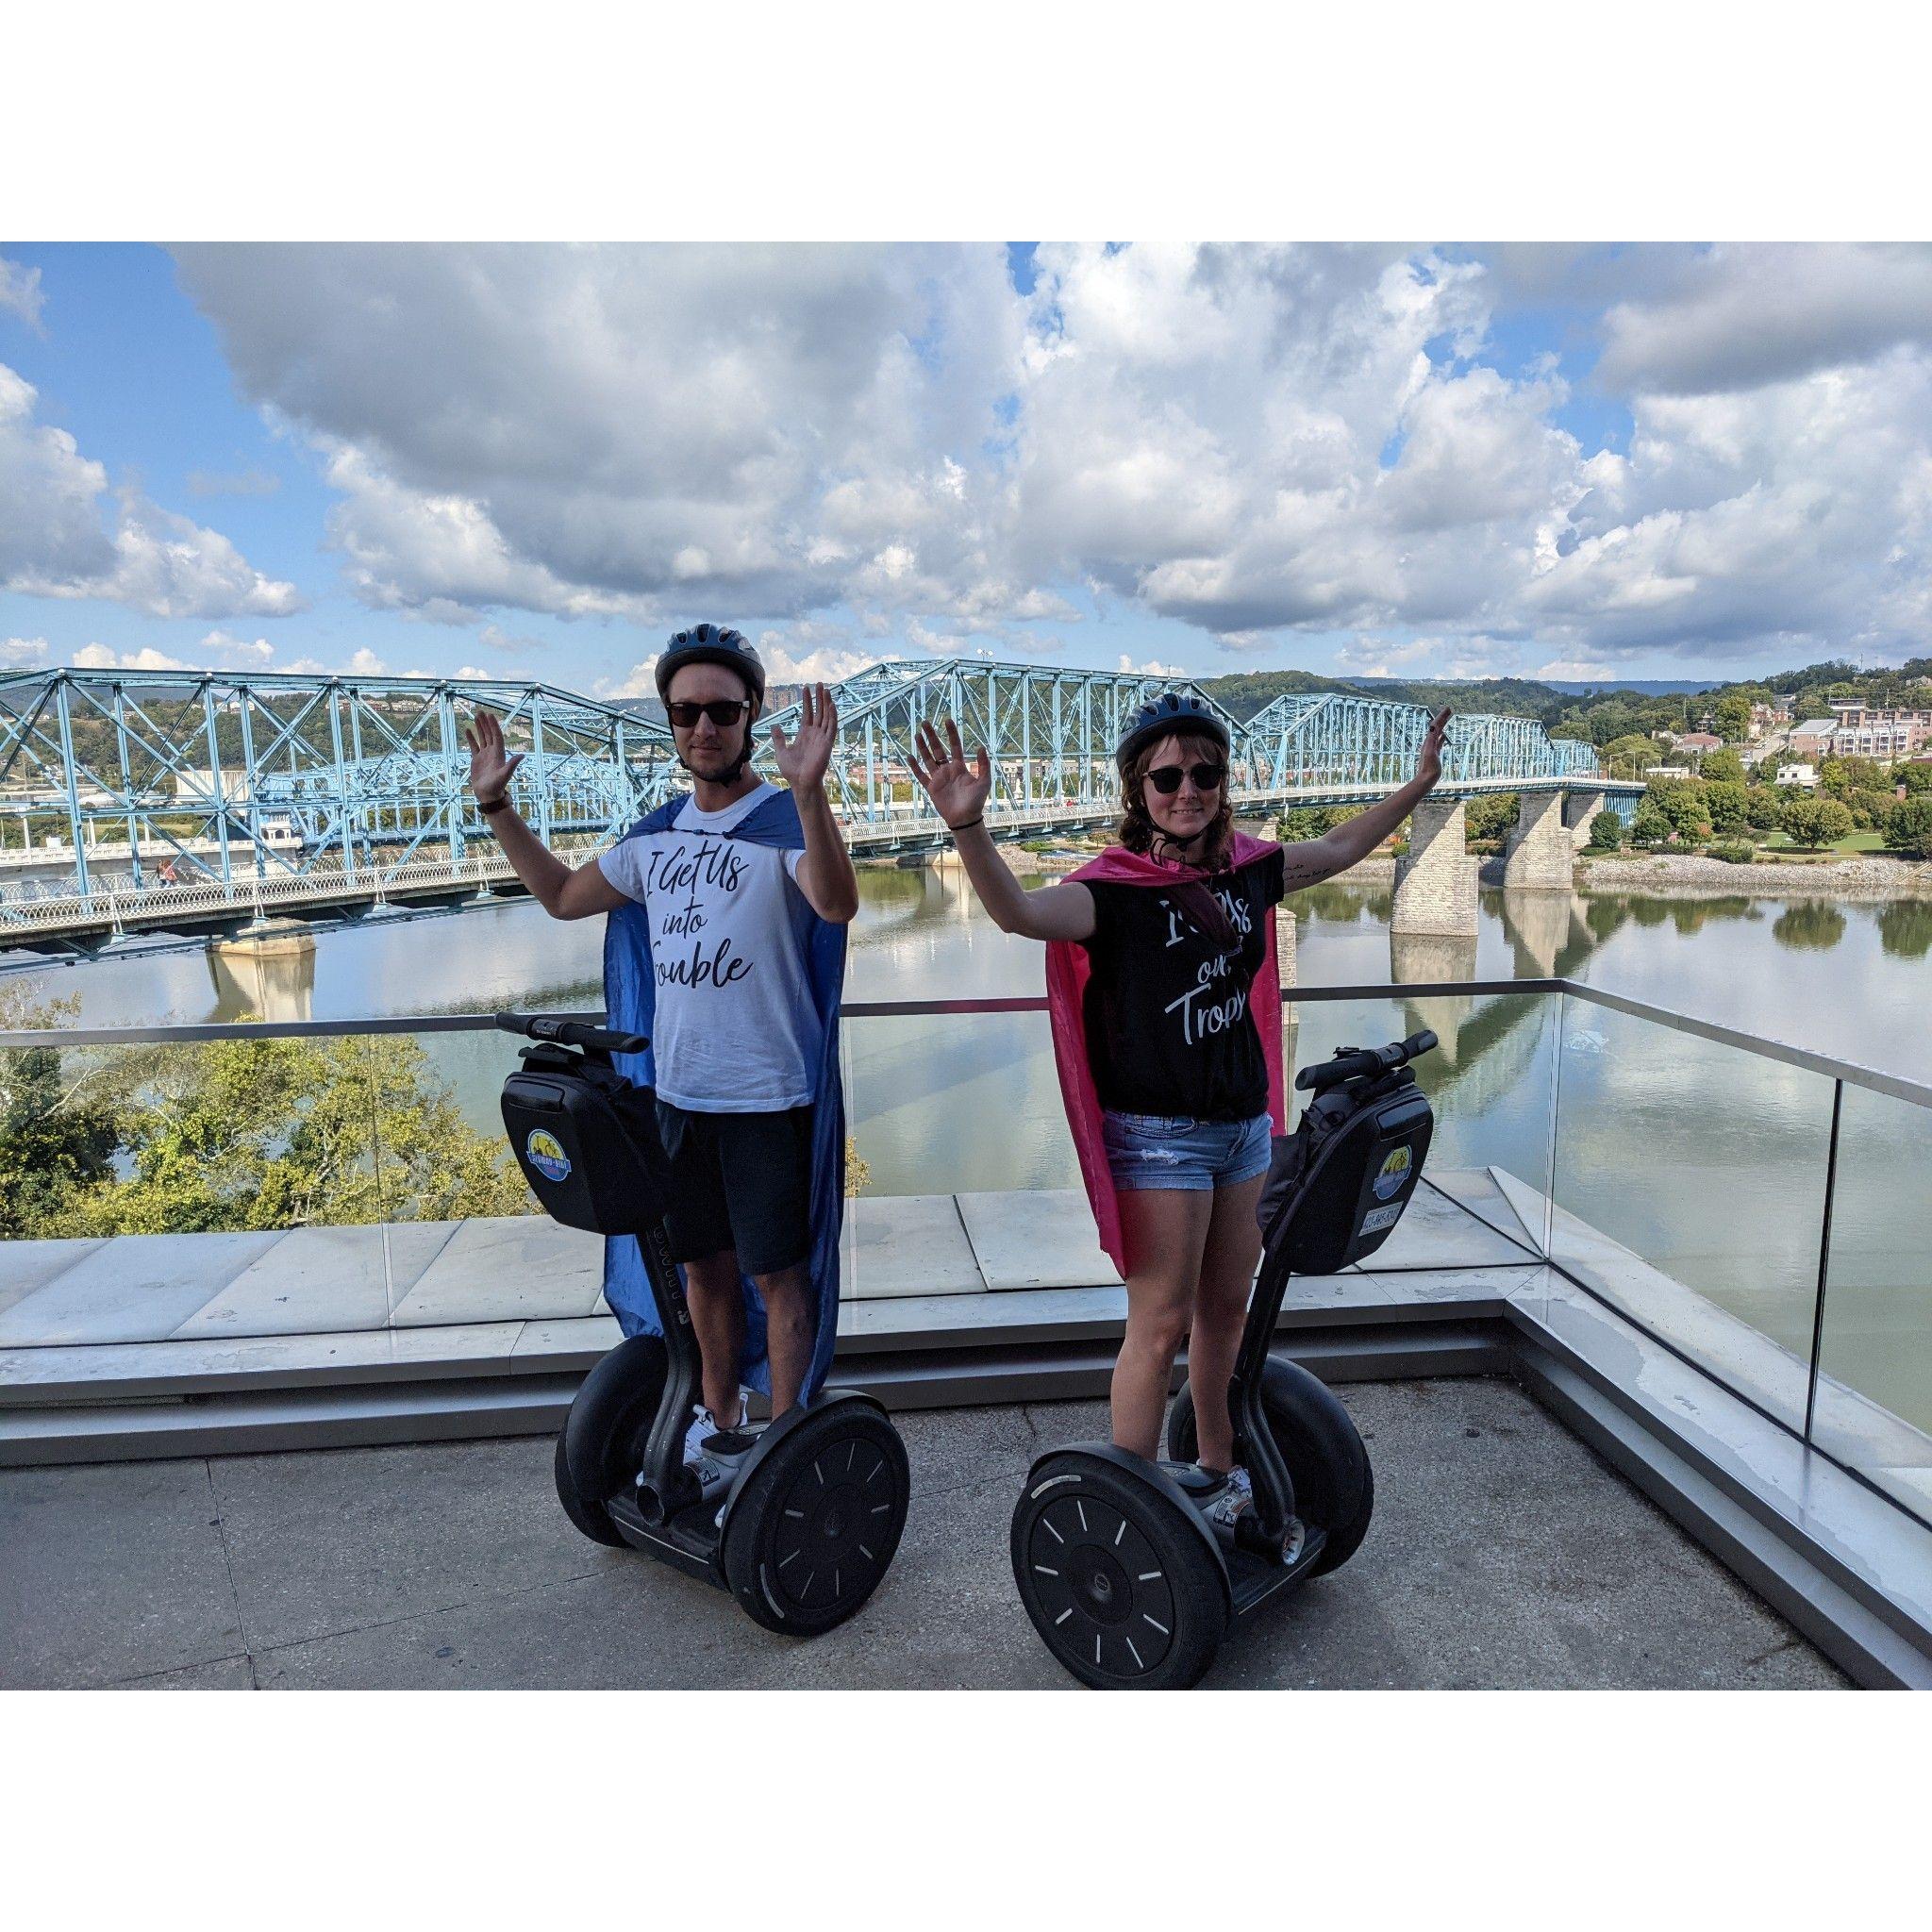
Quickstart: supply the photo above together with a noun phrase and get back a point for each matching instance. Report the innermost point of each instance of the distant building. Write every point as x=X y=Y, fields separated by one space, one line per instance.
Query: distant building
x=1864 y=731
x=1700 y=740
x=1812 y=738
x=199 y=785
x=1805 y=776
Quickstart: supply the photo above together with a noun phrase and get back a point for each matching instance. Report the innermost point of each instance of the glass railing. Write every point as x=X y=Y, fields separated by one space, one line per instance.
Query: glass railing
x=1762 y=1211
x=1689 y=1193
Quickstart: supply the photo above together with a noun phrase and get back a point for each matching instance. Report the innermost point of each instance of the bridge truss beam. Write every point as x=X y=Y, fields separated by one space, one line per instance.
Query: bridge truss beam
x=232 y=776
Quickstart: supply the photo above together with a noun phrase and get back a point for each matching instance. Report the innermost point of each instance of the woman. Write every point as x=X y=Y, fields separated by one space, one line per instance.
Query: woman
x=1167 y=1024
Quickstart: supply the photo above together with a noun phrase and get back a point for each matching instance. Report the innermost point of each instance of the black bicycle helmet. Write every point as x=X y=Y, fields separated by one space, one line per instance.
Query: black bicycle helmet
x=1171 y=711
x=711 y=643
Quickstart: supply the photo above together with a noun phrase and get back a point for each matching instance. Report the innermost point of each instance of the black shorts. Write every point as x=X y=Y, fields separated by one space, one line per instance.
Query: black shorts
x=738 y=1180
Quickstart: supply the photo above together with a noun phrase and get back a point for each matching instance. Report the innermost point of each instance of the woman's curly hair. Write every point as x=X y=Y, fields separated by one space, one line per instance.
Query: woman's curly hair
x=1139 y=833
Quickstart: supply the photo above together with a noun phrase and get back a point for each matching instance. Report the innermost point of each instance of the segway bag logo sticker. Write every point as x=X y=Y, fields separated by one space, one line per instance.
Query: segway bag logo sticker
x=1395 y=1173
x=546 y=1156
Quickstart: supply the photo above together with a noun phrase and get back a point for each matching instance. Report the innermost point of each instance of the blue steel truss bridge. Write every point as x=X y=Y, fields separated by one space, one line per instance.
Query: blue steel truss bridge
x=207 y=802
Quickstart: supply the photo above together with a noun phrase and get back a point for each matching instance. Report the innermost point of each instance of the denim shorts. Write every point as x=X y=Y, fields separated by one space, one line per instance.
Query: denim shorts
x=1158 y=1150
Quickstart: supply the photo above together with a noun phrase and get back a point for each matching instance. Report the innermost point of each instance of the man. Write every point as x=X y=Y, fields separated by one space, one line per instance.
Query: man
x=726 y=945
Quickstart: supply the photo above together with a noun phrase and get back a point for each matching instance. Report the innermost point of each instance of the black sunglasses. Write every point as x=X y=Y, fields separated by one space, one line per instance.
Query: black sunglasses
x=1166 y=780
x=721 y=712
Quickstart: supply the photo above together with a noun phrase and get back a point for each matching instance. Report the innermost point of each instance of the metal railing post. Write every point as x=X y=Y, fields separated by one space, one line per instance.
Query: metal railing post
x=1837 y=1099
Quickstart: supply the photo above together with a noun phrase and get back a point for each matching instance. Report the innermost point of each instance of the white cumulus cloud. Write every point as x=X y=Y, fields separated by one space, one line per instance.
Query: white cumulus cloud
x=21 y=294
x=106 y=658
x=1255 y=440
x=63 y=534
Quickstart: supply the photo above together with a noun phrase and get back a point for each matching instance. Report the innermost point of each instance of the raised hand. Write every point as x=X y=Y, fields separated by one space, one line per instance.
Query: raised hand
x=1428 y=764
x=958 y=790
x=491 y=767
x=803 y=760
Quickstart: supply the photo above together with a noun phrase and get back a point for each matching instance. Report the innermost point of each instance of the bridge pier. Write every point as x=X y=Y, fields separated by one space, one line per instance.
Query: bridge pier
x=1541 y=855
x=1291 y=1014
x=1579 y=809
x=1434 y=883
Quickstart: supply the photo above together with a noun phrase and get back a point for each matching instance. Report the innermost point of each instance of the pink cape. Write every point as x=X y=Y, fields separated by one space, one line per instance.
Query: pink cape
x=1068 y=971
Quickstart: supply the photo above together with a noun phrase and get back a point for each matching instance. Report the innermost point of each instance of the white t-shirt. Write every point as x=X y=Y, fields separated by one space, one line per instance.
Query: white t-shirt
x=736 y=1029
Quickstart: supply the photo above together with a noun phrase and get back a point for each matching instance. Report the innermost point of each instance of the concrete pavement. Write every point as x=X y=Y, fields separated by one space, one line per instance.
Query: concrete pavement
x=1504 y=1555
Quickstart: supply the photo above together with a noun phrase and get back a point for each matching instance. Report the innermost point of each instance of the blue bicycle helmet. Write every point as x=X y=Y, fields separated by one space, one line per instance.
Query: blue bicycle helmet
x=1161 y=716
x=711 y=643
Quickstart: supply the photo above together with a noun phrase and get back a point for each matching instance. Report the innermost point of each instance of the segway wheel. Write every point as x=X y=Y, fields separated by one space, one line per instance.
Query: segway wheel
x=816 y=1525
x=1119 y=1585
x=595 y=1523
x=602 y=1446
x=1327 y=1462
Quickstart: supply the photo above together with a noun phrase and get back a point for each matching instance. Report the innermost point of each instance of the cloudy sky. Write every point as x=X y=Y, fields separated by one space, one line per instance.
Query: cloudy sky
x=1648 y=462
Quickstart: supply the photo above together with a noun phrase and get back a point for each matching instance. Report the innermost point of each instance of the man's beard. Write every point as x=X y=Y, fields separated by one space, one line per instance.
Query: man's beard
x=729 y=775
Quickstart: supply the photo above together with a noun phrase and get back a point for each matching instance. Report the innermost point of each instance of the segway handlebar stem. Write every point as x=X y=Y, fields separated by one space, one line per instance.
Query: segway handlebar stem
x=572 y=1033
x=1352 y=1062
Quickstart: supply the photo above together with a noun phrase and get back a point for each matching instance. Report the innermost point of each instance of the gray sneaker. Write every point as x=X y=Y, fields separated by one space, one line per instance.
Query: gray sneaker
x=1238 y=1495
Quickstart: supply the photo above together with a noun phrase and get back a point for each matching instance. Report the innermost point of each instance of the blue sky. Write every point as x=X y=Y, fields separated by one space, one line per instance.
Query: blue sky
x=1656 y=462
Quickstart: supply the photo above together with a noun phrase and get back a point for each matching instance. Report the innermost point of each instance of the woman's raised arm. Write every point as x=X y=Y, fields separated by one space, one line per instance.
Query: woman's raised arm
x=959 y=792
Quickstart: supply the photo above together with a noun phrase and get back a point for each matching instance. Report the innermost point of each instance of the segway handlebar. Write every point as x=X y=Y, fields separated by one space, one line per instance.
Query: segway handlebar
x=1351 y=1061
x=571 y=1032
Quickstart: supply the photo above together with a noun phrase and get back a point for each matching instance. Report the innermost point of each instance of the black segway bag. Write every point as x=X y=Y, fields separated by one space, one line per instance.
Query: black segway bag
x=1337 y=1185
x=587 y=1141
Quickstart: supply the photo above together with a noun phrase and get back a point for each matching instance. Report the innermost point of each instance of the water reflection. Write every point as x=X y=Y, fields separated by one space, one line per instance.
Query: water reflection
x=1905 y=928
x=1812 y=926
x=270 y=976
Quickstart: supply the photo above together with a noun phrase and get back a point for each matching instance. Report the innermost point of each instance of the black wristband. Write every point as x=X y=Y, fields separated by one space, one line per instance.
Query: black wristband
x=968 y=824
x=493 y=806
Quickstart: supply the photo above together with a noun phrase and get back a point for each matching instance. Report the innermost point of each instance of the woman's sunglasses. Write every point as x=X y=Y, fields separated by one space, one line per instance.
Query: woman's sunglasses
x=721 y=712
x=1166 y=780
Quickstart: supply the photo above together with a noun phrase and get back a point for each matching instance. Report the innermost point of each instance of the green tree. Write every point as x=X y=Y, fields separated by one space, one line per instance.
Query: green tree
x=1908 y=825
x=1681 y=800
x=1726 y=805
x=1652 y=826
x=1869 y=809
x=1817 y=822
x=57 y=1137
x=55 y=1142
x=1733 y=717
x=1628 y=755
x=1763 y=807
x=290 y=1133
x=1491 y=816
x=1915 y=775
x=1841 y=777
x=1725 y=767
x=1303 y=822
x=1606 y=832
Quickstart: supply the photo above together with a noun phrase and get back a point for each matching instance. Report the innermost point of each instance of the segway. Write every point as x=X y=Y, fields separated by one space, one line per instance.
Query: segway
x=797 y=1519
x=1127 y=1576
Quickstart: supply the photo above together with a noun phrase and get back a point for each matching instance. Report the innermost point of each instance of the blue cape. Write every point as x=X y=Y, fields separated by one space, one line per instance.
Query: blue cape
x=630 y=994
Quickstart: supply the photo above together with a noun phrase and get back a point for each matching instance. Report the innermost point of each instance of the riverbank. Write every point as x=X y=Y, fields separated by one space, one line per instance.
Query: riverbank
x=1865 y=877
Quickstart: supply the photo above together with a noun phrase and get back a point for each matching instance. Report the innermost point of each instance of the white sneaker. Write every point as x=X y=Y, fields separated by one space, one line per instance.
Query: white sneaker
x=1238 y=1495
x=706 y=1425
